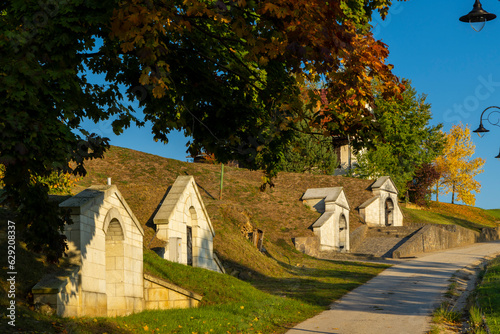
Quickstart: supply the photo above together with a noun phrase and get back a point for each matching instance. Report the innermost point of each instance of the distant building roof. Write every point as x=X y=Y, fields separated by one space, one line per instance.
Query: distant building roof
x=329 y=194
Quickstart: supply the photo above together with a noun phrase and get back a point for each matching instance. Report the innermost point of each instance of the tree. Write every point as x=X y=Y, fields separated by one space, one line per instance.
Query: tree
x=225 y=72
x=406 y=143
x=457 y=167
x=420 y=187
x=310 y=153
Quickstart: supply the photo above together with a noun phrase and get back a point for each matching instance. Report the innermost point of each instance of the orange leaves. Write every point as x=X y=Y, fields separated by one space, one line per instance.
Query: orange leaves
x=197 y=8
x=312 y=40
x=277 y=11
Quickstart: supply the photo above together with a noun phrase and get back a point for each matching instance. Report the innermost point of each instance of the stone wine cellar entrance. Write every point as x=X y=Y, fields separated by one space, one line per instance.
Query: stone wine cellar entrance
x=105 y=276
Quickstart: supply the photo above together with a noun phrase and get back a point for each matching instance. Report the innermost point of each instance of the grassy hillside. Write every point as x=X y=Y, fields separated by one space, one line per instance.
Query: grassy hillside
x=282 y=286
x=446 y=213
x=143 y=179
x=495 y=213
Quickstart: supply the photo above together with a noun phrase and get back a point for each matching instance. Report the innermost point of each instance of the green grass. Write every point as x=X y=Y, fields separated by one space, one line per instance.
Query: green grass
x=452 y=290
x=229 y=305
x=495 y=213
x=488 y=295
x=434 y=330
x=476 y=321
x=430 y=217
x=445 y=314
x=283 y=286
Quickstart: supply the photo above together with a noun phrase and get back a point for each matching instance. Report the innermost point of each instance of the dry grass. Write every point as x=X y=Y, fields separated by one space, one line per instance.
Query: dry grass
x=144 y=179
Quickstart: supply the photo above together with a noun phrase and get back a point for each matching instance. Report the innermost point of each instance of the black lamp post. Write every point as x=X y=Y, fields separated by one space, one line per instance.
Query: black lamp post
x=477 y=15
x=481 y=130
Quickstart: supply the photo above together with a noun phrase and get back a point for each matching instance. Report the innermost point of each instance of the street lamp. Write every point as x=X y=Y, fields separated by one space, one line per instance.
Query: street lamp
x=481 y=130
x=477 y=15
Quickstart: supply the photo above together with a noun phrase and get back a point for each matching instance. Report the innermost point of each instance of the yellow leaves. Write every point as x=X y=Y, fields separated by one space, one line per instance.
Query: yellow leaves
x=146 y=328
x=221 y=18
x=456 y=166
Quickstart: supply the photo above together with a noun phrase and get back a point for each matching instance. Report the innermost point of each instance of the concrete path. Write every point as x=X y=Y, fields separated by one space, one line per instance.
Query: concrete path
x=399 y=300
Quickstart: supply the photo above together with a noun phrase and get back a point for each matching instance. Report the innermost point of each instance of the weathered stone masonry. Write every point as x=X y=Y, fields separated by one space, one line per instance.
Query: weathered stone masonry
x=106 y=255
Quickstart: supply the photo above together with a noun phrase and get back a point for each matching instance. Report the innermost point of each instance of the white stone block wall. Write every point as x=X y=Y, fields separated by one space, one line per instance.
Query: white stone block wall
x=397 y=214
x=329 y=232
x=92 y=239
x=110 y=269
x=183 y=207
x=68 y=298
x=316 y=204
x=106 y=249
x=371 y=213
x=326 y=234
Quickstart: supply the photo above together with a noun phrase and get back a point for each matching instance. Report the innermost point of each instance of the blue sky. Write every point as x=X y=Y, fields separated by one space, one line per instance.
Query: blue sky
x=457 y=68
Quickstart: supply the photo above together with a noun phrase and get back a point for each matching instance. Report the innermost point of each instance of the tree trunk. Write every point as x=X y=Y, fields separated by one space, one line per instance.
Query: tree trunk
x=453 y=195
x=437 y=192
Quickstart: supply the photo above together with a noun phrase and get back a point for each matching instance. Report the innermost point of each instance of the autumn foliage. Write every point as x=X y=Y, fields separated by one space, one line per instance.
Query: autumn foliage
x=226 y=73
x=420 y=188
x=457 y=168
x=261 y=45
x=57 y=183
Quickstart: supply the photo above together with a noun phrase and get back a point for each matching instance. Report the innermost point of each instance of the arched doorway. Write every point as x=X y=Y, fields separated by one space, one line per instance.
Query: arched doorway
x=115 y=274
x=342 y=232
x=193 y=222
x=389 y=212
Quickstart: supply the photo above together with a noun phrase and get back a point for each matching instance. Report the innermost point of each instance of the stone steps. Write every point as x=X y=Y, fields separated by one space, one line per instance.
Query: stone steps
x=379 y=246
x=391 y=231
x=383 y=241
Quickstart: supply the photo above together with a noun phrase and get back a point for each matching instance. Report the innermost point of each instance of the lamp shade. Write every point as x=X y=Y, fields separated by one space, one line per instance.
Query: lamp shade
x=481 y=130
x=477 y=14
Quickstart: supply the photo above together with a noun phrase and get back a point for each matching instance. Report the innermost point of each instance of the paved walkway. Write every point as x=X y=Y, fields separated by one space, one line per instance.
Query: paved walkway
x=400 y=300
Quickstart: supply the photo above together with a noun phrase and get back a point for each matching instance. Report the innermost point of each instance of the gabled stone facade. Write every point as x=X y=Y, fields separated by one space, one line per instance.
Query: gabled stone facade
x=183 y=222
x=383 y=208
x=107 y=238
x=106 y=276
x=332 y=228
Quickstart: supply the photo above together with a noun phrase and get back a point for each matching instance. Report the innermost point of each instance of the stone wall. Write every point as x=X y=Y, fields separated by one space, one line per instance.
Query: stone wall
x=371 y=212
x=108 y=238
x=358 y=236
x=489 y=234
x=315 y=204
x=307 y=245
x=182 y=220
x=327 y=228
x=105 y=276
x=159 y=294
x=60 y=292
x=436 y=237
